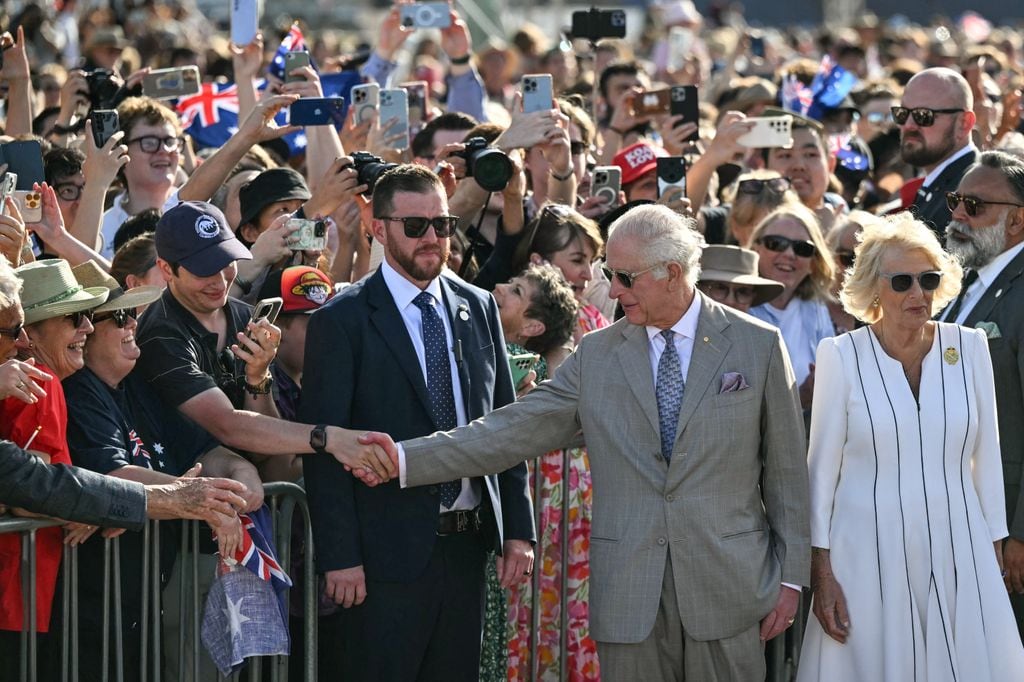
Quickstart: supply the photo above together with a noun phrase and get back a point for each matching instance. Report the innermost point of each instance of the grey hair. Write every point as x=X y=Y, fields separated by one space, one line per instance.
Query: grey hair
x=10 y=286
x=1010 y=165
x=664 y=236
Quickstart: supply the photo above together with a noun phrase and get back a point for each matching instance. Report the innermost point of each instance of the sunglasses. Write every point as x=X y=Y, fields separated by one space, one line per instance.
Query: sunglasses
x=721 y=291
x=847 y=258
x=878 y=117
x=625 y=277
x=151 y=143
x=76 y=318
x=923 y=116
x=577 y=148
x=755 y=186
x=120 y=317
x=972 y=205
x=779 y=244
x=416 y=226
x=902 y=281
x=13 y=332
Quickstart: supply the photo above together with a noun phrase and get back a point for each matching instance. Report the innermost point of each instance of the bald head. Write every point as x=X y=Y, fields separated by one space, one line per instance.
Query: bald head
x=948 y=97
x=943 y=88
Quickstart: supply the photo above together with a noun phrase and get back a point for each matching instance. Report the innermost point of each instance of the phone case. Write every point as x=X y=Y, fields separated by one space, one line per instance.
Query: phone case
x=365 y=98
x=426 y=15
x=680 y=42
x=651 y=102
x=105 y=123
x=685 y=101
x=537 y=93
x=607 y=183
x=671 y=173
x=311 y=234
x=395 y=104
x=294 y=60
x=267 y=308
x=30 y=203
x=7 y=185
x=769 y=131
x=24 y=159
x=245 y=21
x=521 y=365
x=171 y=83
x=317 y=111
x=417 y=94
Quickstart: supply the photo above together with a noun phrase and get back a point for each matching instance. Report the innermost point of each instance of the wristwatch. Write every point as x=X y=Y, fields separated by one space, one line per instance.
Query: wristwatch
x=318 y=439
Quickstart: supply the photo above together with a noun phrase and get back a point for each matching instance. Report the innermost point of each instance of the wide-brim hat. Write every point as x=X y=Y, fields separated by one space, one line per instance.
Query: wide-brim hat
x=91 y=275
x=270 y=186
x=107 y=36
x=736 y=265
x=49 y=289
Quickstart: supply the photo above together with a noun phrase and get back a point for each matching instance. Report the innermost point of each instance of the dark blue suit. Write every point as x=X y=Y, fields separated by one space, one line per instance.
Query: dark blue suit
x=362 y=373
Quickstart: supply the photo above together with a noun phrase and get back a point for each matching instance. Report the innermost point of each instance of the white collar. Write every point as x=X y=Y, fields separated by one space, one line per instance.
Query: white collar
x=987 y=273
x=685 y=325
x=937 y=171
x=404 y=291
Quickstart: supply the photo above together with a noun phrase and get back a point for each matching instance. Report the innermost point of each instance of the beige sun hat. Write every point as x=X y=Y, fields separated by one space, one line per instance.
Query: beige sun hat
x=91 y=275
x=49 y=289
x=736 y=265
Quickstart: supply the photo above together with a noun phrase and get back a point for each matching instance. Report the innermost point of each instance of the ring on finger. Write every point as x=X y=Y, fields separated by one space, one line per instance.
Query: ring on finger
x=21 y=384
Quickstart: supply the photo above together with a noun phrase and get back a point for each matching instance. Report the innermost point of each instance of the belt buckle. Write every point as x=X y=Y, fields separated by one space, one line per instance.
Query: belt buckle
x=461 y=522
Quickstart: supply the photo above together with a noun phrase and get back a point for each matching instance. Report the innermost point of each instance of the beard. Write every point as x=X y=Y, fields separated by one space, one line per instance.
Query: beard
x=408 y=262
x=975 y=248
x=923 y=155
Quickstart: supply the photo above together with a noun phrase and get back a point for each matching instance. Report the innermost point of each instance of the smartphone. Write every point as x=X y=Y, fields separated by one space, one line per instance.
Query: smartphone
x=426 y=15
x=317 y=111
x=294 y=60
x=365 y=98
x=311 y=234
x=680 y=42
x=671 y=174
x=394 y=104
x=521 y=365
x=105 y=123
x=7 y=185
x=607 y=183
x=30 y=203
x=685 y=102
x=594 y=24
x=245 y=21
x=757 y=45
x=537 y=92
x=418 y=100
x=768 y=131
x=24 y=158
x=171 y=83
x=651 y=103
x=267 y=309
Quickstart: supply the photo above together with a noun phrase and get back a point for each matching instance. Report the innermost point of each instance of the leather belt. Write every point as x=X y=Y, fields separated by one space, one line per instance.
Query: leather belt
x=459 y=521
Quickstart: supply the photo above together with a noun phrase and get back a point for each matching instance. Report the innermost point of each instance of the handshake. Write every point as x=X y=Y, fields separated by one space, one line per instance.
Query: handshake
x=372 y=457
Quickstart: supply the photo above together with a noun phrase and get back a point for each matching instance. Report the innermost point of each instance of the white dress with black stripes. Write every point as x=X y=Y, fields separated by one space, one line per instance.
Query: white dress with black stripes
x=908 y=497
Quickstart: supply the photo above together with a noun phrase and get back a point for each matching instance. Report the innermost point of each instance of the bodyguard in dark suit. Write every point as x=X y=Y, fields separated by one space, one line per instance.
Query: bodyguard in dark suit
x=935 y=122
x=987 y=234
x=410 y=350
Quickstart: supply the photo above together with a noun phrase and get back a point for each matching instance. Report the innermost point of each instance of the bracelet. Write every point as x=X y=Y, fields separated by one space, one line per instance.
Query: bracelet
x=262 y=388
x=460 y=61
x=560 y=178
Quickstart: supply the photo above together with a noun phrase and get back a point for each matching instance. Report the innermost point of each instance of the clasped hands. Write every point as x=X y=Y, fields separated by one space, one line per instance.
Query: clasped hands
x=372 y=457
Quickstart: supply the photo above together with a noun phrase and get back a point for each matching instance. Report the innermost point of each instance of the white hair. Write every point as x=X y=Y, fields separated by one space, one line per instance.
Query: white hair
x=663 y=236
x=10 y=286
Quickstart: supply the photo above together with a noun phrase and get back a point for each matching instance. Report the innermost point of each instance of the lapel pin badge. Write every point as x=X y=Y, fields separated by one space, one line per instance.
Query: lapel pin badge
x=463 y=313
x=950 y=356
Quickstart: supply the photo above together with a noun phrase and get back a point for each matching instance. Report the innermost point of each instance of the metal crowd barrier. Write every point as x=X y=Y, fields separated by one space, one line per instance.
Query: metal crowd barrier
x=283 y=498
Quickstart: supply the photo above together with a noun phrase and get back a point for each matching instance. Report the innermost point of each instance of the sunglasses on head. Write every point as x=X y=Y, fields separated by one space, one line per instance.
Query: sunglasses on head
x=755 y=186
x=902 y=281
x=13 y=332
x=973 y=205
x=416 y=226
x=120 y=317
x=76 y=318
x=779 y=244
x=625 y=277
x=923 y=116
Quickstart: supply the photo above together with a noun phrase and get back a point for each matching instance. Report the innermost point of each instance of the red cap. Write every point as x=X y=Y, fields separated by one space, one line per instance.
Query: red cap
x=637 y=159
x=304 y=289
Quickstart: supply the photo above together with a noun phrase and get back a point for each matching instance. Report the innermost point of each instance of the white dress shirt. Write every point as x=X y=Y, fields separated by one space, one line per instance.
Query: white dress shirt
x=685 y=330
x=937 y=171
x=987 y=275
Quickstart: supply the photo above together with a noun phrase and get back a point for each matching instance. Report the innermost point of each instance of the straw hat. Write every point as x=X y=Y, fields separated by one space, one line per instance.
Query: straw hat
x=50 y=290
x=736 y=265
x=91 y=275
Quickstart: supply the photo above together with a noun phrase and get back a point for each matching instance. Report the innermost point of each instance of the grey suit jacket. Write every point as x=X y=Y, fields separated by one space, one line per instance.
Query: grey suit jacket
x=732 y=507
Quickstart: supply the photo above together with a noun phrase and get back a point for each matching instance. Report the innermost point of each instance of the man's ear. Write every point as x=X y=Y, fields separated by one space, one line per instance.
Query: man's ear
x=165 y=269
x=249 y=233
x=1015 y=223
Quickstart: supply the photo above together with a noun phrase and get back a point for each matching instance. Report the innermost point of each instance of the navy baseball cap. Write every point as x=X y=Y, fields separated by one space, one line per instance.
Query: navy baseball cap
x=196 y=235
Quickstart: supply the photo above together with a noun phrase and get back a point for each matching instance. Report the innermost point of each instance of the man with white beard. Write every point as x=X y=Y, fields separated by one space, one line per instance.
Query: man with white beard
x=987 y=234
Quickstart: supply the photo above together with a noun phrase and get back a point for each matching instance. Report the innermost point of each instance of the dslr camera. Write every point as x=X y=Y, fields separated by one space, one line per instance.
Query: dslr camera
x=490 y=167
x=103 y=89
x=369 y=169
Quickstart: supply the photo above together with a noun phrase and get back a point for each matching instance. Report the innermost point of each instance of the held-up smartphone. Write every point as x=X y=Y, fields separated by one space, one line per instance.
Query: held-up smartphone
x=395 y=104
x=311 y=234
x=426 y=15
x=30 y=203
x=594 y=24
x=7 y=185
x=25 y=159
x=671 y=174
x=537 y=92
x=757 y=45
x=317 y=111
x=684 y=101
x=245 y=21
x=522 y=365
x=365 y=98
x=680 y=42
x=417 y=93
x=294 y=60
x=768 y=131
x=651 y=103
x=104 y=124
x=267 y=309
x=607 y=183
x=171 y=83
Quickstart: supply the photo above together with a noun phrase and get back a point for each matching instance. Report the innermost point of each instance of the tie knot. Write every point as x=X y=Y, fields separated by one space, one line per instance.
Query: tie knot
x=668 y=335
x=424 y=301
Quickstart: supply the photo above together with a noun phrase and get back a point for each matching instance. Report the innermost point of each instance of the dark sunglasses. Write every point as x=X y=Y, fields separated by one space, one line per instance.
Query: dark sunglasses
x=720 y=291
x=120 y=317
x=779 y=244
x=76 y=318
x=847 y=258
x=923 y=116
x=151 y=143
x=972 y=205
x=902 y=281
x=625 y=277
x=416 y=226
x=13 y=332
x=755 y=186
x=577 y=148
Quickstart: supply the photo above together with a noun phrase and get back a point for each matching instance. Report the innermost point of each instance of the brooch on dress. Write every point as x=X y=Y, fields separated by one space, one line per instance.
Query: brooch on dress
x=951 y=356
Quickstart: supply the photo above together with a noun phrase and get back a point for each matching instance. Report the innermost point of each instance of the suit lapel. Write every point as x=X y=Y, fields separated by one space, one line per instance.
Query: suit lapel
x=997 y=293
x=461 y=323
x=709 y=350
x=634 y=358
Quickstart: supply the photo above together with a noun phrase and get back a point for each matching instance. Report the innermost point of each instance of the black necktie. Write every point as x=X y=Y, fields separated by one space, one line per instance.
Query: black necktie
x=954 y=310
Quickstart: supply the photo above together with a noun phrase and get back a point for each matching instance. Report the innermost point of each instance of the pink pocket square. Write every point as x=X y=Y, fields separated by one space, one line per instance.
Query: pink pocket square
x=733 y=381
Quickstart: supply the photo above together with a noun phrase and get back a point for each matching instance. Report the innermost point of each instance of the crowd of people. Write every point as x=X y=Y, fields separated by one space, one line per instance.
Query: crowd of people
x=573 y=397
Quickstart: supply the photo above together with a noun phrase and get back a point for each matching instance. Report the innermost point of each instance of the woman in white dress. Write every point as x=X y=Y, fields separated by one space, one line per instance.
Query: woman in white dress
x=907 y=506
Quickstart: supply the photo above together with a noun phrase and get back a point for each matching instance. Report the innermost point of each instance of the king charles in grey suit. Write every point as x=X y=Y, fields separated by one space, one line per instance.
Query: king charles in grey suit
x=690 y=547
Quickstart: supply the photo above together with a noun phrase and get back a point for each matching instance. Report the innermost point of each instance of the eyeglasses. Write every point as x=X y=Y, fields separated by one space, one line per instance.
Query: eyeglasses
x=69 y=191
x=151 y=143
x=755 y=186
x=973 y=205
x=577 y=148
x=779 y=244
x=847 y=258
x=120 y=317
x=878 y=117
x=923 y=116
x=902 y=281
x=13 y=332
x=416 y=226
x=625 y=277
x=721 y=291
x=76 y=318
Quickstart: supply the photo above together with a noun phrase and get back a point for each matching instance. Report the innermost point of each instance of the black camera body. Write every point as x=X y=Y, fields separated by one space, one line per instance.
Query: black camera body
x=369 y=168
x=490 y=167
x=594 y=24
x=103 y=89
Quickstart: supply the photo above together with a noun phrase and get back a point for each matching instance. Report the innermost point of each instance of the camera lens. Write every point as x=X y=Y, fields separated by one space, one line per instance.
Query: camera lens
x=491 y=168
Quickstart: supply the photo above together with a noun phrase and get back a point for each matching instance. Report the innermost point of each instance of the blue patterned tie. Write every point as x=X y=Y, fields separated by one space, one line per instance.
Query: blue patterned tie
x=669 y=393
x=439 y=380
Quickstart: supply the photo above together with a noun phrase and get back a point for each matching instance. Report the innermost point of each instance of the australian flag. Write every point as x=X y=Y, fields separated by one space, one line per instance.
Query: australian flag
x=830 y=86
x=293 y=42
x=256 y=551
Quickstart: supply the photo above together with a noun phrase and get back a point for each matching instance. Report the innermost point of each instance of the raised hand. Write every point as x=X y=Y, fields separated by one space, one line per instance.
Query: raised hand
x=259 y=125
x=19 y=379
